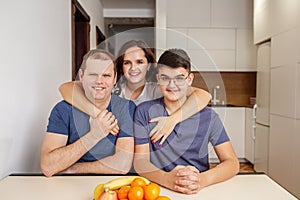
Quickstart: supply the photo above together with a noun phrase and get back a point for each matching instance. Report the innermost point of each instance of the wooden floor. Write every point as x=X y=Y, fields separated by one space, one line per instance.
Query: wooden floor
x=245 y=167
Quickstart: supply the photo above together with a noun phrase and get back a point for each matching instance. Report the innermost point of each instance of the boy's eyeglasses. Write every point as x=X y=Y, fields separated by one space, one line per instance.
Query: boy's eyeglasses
x=179 y=80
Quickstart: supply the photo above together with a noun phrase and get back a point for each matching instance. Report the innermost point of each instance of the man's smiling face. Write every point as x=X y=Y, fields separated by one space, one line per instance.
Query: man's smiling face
x=98 y=79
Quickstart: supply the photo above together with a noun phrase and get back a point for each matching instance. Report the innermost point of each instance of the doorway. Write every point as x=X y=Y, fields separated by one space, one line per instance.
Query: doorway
x=121 y=30
x=100 y=37
x=80 y=36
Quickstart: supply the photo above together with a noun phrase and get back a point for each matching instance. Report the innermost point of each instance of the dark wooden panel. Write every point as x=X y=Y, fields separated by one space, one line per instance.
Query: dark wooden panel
x=235 y=87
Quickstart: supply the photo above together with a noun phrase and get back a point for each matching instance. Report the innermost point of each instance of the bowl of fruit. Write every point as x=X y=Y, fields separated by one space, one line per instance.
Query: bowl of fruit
x=128 y=188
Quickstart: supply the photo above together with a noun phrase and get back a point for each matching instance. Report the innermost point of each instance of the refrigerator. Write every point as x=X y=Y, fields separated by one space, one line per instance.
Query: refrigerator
x=261 y=109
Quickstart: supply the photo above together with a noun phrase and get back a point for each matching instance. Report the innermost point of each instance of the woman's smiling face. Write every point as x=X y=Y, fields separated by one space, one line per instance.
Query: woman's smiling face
x=135 y=65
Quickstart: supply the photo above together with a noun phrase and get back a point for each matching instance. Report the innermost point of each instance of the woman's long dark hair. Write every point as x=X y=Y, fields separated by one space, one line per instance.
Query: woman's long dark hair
x=151 y=74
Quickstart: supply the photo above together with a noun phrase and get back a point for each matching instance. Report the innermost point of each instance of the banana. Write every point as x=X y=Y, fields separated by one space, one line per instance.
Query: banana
x=122 y=181
x=98 y=191
x=115 y=184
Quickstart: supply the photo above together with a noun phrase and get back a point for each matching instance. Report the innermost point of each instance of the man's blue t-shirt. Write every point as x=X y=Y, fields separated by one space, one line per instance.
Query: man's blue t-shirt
x=67 y=120
x=188 y=142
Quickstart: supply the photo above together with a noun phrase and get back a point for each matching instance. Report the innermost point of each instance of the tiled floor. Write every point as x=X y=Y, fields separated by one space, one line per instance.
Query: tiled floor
x=245 y=167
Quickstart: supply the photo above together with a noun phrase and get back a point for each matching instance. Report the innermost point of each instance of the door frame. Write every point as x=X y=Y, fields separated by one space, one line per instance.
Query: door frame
x=80 y=36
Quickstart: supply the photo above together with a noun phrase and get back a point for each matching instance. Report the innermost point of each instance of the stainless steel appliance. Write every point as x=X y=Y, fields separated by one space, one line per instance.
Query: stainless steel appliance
x=261 y=109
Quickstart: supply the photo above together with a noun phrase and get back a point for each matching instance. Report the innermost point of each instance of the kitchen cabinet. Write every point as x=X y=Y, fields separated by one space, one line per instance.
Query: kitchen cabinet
x=278 y=21
x=249 y=135
x=218 y=36
x=233 y=119
x=274 y=17
x=199 y=13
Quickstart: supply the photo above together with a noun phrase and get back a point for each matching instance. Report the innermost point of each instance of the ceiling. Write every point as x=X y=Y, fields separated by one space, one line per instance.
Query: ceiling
x=128 y=4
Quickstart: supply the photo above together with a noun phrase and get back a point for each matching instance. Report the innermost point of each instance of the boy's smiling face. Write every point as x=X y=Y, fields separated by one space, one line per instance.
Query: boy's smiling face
x=174 y=83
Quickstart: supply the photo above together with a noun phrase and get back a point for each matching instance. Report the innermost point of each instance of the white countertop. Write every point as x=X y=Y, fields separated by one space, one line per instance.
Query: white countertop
x=253 y=186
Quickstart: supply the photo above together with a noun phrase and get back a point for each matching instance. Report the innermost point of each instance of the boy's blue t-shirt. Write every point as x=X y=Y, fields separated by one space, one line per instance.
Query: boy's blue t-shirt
x=188 y=142
x=67 y=120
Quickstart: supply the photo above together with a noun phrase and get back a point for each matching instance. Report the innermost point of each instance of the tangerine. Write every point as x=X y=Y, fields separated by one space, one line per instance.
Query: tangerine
x=138 y=182
x=123 y=192
x=136 y=193
x=151 y=191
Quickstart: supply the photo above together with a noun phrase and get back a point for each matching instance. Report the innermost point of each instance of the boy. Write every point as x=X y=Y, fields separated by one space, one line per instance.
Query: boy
x=181 y=163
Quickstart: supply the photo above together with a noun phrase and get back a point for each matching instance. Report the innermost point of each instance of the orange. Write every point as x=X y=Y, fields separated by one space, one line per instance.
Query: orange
x=151 y=191
x=138 y=182
x=162 y=198
x=123 y=192
x=136 y=193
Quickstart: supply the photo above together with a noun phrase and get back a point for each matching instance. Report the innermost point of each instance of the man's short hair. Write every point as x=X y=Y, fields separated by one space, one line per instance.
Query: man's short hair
x=98 y=54
x=175 y=58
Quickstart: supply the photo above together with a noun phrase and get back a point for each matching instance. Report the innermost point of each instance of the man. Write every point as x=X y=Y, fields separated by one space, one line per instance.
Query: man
x=181 y=163
x=76 y=143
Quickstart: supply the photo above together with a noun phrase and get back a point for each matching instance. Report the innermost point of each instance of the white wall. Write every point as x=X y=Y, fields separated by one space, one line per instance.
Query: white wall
x=35 y=59
x=35 y=56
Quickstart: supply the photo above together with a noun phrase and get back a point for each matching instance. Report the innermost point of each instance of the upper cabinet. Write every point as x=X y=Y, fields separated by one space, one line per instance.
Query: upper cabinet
x=272 y=17
x=190 y=13
x=218 y=34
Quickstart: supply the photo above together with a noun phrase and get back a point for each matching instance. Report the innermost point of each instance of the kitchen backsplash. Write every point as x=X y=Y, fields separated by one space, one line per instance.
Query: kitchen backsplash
x=235 y=88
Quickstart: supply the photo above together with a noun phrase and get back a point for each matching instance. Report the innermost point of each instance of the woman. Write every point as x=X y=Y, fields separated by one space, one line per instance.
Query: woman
x=136 y=71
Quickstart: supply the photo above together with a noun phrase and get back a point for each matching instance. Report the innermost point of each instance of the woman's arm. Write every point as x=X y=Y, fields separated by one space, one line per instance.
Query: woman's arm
x=196 y=101
x=73 y=93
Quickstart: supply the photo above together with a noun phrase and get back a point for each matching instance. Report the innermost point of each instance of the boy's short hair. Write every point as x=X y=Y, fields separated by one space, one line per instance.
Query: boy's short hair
x=175 y=58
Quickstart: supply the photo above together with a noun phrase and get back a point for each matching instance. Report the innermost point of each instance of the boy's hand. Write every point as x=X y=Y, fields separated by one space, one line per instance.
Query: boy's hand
x=188 y=180
x=163 y=128
x=172 y=178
